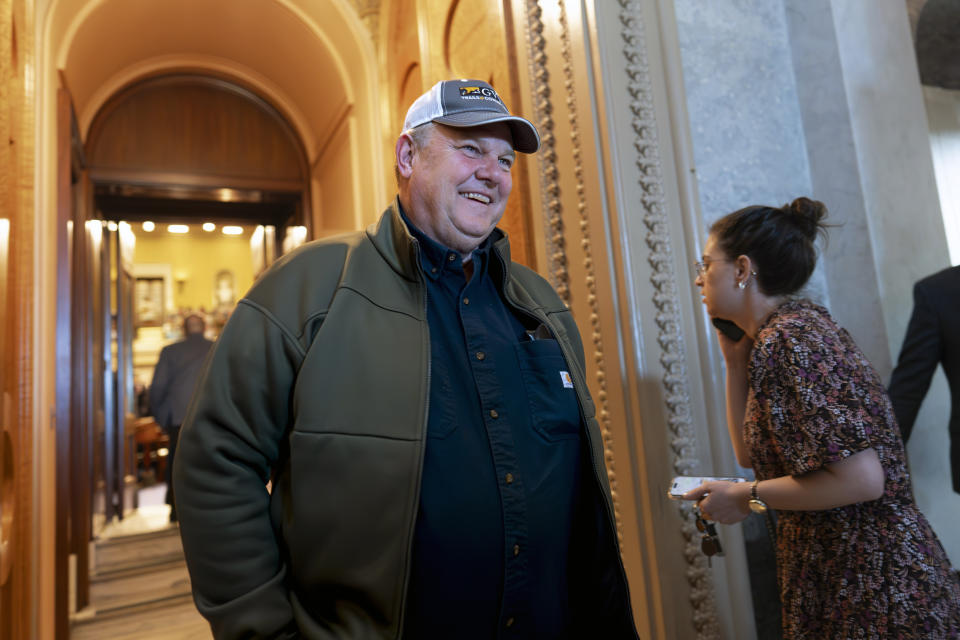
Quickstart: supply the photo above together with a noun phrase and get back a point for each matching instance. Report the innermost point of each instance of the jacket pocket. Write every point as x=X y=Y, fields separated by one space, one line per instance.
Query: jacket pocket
x=346 y=523
x=553 y=400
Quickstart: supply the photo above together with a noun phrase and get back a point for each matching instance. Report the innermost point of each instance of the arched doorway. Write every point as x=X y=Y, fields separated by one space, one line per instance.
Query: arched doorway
x=313 y=60
x=317 y=63
x=293 y=79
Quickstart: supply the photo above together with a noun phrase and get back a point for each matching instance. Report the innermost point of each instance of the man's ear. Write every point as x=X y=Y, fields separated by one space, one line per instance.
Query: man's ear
x=406 y=152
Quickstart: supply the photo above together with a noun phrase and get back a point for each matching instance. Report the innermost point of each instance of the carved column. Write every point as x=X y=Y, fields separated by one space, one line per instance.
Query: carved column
x=616 y=240
x=663 y=278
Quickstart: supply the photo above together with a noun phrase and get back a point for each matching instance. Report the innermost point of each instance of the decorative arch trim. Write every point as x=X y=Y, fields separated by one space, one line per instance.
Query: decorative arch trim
x=274 y=130
x=202 y=65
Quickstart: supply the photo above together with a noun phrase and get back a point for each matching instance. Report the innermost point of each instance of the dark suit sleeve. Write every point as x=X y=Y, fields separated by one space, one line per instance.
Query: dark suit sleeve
x=918 y=360
x=160 y=389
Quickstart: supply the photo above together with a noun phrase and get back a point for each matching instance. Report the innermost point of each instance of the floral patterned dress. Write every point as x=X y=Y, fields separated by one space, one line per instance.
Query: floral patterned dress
x=868 y=570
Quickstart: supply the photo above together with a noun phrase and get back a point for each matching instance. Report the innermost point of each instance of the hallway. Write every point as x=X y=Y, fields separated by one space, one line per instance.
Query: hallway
x=656 y=118
x=139 y=587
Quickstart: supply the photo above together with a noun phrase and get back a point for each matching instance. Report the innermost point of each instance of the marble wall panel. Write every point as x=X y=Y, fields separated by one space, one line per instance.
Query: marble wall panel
x=741 y=96
x=745 y=117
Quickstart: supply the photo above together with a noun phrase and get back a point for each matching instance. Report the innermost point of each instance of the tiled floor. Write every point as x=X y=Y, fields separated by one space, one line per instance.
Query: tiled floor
x=153 y=514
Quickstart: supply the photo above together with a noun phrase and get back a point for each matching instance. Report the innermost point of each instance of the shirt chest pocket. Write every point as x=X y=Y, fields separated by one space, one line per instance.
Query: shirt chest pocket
x=554 y=411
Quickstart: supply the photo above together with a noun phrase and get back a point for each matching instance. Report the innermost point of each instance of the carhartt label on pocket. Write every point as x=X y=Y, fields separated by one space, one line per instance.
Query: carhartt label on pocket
x=567 y=381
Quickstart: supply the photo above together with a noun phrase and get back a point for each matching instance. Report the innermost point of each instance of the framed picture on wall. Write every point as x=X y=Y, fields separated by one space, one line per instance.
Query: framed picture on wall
x=148 y=296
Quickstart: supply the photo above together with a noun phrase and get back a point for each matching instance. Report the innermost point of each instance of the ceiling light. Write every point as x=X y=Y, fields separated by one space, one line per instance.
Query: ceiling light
x=228 y=195
x=178 y=228
x=232 y=231
x=148 y=226
x=112 y=226
x=209 y=226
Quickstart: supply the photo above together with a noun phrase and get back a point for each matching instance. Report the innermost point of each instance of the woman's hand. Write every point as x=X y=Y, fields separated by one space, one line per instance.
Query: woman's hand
x=722 y=501
x=736 y=354
x=857 y=478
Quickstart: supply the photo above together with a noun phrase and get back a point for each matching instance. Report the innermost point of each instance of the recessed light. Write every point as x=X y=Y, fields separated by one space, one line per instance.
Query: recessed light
x=178 y=228
x=232 y=231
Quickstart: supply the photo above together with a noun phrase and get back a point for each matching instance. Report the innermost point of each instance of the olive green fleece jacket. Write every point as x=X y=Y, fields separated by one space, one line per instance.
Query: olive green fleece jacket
x=320 y=381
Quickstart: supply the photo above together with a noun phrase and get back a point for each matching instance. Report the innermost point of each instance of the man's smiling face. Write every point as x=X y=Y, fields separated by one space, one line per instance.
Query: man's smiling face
x=457 y=182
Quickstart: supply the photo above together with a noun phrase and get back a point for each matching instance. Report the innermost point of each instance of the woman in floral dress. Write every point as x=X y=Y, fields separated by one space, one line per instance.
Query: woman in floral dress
x=807 y=411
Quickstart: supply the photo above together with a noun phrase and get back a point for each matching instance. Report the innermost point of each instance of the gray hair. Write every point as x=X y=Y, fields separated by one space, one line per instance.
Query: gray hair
x=419 y=137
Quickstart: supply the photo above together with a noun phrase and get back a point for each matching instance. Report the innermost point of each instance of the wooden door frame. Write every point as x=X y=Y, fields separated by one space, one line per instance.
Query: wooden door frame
x=63 y=364
x=73 y=525
x=81 y=386
x=20 y=563
x=123 y=290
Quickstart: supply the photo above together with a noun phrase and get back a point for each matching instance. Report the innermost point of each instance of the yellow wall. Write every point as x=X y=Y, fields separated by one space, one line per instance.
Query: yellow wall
x=334 y=180
x=194 y=260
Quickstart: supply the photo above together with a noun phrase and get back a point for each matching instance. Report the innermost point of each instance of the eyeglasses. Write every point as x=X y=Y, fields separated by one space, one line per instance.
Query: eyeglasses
x=709 y=541
x=701 y=266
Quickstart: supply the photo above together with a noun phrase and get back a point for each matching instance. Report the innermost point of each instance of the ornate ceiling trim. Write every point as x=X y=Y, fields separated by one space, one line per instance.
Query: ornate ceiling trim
x=369 y=13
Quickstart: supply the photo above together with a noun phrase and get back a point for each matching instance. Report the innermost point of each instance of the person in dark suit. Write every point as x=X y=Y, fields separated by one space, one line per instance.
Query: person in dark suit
x=174 y=380
x=932 y=337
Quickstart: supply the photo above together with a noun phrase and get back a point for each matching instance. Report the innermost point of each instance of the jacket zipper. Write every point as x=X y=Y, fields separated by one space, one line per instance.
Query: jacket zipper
x=423 y=446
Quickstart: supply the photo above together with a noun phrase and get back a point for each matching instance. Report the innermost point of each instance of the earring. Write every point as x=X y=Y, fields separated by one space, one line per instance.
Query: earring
x=742 y=284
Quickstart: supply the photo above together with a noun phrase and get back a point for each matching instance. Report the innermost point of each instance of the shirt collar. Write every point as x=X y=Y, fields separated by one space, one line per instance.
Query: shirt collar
x=435 y=258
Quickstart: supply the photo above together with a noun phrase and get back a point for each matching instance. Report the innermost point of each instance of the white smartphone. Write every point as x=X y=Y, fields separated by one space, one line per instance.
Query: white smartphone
x=680 y=485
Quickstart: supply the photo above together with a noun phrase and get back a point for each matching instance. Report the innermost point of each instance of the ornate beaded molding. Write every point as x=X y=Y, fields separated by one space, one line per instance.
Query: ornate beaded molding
x=369 y=13
x=553 y=208
x=672 y=356
x=596 y=336
x=549 y=174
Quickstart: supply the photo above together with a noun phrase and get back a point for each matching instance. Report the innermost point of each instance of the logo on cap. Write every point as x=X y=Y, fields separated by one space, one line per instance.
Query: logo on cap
x=479 y=93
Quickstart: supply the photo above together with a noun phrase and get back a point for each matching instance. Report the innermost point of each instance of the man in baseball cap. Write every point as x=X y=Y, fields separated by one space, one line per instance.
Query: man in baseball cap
x=420 y=403
x=468 y=103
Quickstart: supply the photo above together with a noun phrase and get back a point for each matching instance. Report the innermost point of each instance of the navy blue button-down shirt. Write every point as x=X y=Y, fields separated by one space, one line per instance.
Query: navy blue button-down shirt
x=501 y=472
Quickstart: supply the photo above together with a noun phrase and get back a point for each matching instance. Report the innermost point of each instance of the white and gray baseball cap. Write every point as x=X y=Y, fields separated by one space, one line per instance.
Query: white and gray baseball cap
x=470 y=103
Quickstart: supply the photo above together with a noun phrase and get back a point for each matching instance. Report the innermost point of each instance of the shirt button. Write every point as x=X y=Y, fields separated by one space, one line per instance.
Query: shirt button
x=509 y=478
x=433 y=270
x=516 y=550
x=481 y=355
x=510 y=622
x=494 y=414
x=451 y=257
x=466 y=301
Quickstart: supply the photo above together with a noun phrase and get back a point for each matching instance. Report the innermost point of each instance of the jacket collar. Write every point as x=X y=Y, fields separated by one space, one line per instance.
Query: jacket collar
x=390 y=237
x=501 y=244
x=394 y=242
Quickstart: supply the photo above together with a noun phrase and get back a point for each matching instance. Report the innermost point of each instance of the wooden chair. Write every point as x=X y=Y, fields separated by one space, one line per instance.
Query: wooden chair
x=152 y=439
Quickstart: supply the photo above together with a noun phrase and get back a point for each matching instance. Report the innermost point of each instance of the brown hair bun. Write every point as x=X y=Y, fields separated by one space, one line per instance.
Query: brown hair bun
x=780 y=241
x=808 y=214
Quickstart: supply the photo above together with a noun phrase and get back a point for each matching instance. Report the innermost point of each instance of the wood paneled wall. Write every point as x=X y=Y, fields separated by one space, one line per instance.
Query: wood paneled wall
x=167 y=127
x=16 y=291
x=432 y=40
